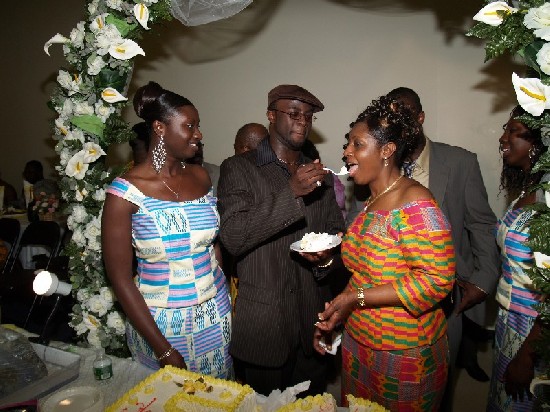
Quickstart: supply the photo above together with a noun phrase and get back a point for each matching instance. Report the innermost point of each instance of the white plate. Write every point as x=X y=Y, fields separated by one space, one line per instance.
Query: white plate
x=77 y=399
x=296 y=245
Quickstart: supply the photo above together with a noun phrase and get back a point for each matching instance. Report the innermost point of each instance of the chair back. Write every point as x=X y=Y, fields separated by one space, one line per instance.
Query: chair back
x=9 y=233
x=41 y=233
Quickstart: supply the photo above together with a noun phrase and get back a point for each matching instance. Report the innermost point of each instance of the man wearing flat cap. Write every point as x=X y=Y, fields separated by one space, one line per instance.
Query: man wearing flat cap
x=269 y=198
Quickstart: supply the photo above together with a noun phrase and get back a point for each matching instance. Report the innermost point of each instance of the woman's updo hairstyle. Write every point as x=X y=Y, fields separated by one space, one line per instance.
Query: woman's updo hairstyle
x=152 y=102
x=513 y=179
x=391 y=121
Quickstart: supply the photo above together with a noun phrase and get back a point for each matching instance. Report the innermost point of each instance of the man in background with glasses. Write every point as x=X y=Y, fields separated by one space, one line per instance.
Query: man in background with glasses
x=269 y=198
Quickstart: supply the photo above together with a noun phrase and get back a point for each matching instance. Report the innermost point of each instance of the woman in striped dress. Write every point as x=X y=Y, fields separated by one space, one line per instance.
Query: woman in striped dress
x=517 y=326
x=177 y=307
x=400 y=253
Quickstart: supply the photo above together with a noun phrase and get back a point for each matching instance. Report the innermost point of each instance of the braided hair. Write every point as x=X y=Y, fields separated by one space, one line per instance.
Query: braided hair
x=391 y=121
x=514 y=179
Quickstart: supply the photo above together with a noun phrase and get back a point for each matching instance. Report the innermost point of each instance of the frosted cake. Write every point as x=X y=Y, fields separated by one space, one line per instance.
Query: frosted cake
x=317 y=403
x=364 y=405
x=171 y=389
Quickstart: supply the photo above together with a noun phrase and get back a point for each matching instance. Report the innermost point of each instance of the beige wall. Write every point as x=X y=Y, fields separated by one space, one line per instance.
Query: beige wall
x=346 y=56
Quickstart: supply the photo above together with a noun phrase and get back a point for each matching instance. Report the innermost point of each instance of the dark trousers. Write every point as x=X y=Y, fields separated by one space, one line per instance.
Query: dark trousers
x=298 y=368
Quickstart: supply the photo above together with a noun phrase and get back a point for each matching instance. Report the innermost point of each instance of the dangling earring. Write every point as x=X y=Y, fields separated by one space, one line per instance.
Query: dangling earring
x=533 y=152
x=159 y=155
x=386 y=163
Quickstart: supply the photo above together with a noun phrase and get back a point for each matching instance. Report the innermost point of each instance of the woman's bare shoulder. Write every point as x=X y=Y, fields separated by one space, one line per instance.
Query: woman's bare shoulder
x=414 y=191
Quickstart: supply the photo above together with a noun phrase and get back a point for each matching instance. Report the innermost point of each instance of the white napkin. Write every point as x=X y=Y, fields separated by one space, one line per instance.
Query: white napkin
x=277 y=399
x=336 y=340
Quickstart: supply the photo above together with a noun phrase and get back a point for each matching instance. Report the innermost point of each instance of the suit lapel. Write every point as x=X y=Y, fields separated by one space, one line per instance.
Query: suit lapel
x=439 y=175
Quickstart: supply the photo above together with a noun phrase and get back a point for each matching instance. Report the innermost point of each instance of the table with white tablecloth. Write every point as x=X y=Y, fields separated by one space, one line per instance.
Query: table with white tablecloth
x=126 y=374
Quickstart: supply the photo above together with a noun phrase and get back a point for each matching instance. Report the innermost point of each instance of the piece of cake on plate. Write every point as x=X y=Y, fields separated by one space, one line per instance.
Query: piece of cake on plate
x=315 y=241
x=317 y=403
x=172 y=389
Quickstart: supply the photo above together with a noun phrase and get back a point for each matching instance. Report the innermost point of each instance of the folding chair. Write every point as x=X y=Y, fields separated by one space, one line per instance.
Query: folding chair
x=46 y=234
x=9 y=233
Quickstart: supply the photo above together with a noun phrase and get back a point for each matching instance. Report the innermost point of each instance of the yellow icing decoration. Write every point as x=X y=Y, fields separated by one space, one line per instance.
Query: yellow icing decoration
x=211 y=394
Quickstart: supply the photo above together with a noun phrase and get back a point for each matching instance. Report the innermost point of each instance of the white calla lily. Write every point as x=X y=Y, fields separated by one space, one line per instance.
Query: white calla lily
x=111 y=95
x=92 y=152
x=542 y=260
x=57 y=39
x=76 y=166
x=98 y=23
x=142 y=14
x=532 y=95
x=60 y=125
x=125 y=50
x=489 y=14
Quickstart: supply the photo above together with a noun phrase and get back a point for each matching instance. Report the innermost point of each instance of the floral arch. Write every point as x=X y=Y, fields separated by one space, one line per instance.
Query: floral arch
x=90 y=95
x=88 y=100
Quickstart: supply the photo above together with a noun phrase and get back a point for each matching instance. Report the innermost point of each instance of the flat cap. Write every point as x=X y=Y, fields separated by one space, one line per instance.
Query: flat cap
x=294 y=92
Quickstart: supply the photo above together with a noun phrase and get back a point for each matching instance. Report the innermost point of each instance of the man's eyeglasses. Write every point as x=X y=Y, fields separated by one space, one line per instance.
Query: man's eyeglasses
x=308 y=117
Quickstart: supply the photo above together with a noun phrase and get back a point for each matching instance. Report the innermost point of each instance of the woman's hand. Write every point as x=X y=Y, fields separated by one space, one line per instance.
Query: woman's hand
x=175 y=359
x=318 y=334
x=518 y=376
x=337 y=311
x=471 y=296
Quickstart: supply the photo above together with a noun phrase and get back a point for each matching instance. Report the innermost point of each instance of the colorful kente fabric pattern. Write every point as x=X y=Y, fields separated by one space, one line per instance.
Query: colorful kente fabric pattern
x=401 y=380
x=180 y=280
x=411 y=248
x=201 y=333
x=515 y=290
x=516 y=295
x=174 y=247
x=511 y=329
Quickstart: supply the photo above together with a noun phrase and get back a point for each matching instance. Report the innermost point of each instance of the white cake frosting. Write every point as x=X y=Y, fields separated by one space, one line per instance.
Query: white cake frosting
x=171 y=389
x=315 y=241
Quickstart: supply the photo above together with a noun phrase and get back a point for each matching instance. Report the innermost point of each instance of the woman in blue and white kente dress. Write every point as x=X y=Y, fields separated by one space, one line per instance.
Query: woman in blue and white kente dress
x=162 y=210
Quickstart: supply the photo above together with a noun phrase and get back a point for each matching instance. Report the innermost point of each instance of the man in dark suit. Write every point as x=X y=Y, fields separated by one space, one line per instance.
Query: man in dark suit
x=453 y=176
x=269 y=198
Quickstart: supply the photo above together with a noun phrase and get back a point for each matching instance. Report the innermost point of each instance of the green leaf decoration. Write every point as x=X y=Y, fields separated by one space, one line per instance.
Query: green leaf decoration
x=529 y=54
x=122 y=26
x=89 y=123
x=110 y=78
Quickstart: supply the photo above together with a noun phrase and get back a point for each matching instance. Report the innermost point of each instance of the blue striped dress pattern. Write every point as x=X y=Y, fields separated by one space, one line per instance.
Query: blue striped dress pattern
x=516 y=297
x=180 y=280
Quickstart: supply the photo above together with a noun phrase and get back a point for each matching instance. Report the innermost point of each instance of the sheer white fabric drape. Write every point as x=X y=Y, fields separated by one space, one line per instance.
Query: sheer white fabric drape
x=196 y=12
